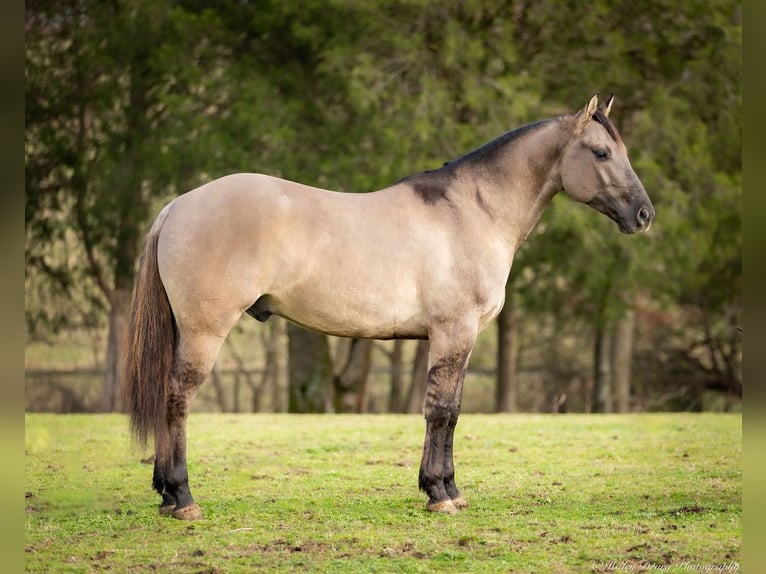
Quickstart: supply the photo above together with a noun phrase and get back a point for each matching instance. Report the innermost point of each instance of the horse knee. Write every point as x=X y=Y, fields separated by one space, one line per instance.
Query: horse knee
x=437 y=412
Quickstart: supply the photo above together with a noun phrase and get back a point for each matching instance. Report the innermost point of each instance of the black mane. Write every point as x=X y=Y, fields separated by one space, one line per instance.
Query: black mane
x=491 y=148
x=432 y=185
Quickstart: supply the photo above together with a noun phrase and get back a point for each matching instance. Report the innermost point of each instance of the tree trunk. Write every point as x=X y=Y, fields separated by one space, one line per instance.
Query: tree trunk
x=417 y=392
x=236 y=394
x=309 y=370
x=111 y=400
x=507 y=350
x=351 y=383
x=395 y=398
x=220 y=392
x=602 y=375
x=270 y=338
x=622 y=355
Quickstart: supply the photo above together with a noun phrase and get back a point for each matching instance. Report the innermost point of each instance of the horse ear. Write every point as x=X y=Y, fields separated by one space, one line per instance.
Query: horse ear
x=584 y=115
x=606 y=106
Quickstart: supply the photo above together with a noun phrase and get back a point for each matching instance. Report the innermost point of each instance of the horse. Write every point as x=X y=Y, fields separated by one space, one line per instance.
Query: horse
x=425 y=258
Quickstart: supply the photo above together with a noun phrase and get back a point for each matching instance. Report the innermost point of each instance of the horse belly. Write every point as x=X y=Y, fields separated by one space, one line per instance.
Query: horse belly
x=353 y=307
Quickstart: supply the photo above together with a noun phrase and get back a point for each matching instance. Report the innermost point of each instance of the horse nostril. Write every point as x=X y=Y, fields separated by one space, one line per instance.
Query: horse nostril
x=643 y=216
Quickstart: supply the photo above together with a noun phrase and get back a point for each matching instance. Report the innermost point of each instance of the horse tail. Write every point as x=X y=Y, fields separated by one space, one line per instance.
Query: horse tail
x=150 y=348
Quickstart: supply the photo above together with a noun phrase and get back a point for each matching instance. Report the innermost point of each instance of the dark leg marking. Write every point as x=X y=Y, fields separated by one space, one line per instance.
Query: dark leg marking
x=449 y=467
x=437 y=471
x=168 y=503
x=430 y=478
x=171 y=478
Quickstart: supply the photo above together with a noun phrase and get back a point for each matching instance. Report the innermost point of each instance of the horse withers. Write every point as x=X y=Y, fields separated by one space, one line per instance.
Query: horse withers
x=426 y=258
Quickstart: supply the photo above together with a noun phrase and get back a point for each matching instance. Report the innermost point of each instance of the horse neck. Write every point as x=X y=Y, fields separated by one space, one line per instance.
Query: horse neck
x=518 y=182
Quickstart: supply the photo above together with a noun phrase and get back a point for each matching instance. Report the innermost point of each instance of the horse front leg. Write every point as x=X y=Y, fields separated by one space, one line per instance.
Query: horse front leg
x=449 y=466
x=431 y=476
x=447 y=364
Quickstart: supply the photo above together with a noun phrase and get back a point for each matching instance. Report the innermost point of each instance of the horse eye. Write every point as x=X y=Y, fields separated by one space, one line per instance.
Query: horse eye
x=601 y=154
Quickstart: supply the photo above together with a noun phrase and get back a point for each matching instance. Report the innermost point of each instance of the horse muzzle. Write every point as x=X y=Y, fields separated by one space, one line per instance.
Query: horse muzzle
x=630 y=217
x=639 y=220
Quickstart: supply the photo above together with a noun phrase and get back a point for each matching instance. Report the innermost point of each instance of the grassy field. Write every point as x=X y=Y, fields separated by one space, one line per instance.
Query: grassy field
x=571 y=493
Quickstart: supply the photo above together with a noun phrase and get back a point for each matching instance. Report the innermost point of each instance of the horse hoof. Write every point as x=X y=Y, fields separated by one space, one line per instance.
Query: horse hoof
x=460 y=502
x=191 y=512
x=445 y=506
x=168 y=509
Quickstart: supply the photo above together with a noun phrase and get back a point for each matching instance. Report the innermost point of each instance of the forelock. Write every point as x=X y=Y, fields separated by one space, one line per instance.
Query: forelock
x=610 y=128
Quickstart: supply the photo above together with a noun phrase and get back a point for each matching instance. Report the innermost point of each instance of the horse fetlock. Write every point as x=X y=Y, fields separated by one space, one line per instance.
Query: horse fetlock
x=433 y=486
x=423 y=482
x=452 y=491
x=450 y=487
x=168 y=503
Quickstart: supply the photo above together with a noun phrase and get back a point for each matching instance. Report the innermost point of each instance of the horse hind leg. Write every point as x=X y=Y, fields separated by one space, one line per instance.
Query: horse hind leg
x=195 y=356
x=168 y=504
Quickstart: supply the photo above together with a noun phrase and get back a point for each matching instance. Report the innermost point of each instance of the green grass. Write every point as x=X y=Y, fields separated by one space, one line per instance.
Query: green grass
x=572 y=493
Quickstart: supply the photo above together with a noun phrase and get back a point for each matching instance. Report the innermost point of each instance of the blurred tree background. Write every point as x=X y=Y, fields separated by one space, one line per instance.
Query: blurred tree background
x=132 y=102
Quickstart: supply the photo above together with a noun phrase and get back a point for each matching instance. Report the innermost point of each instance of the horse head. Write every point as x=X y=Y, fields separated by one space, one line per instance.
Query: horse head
x=595 y=170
